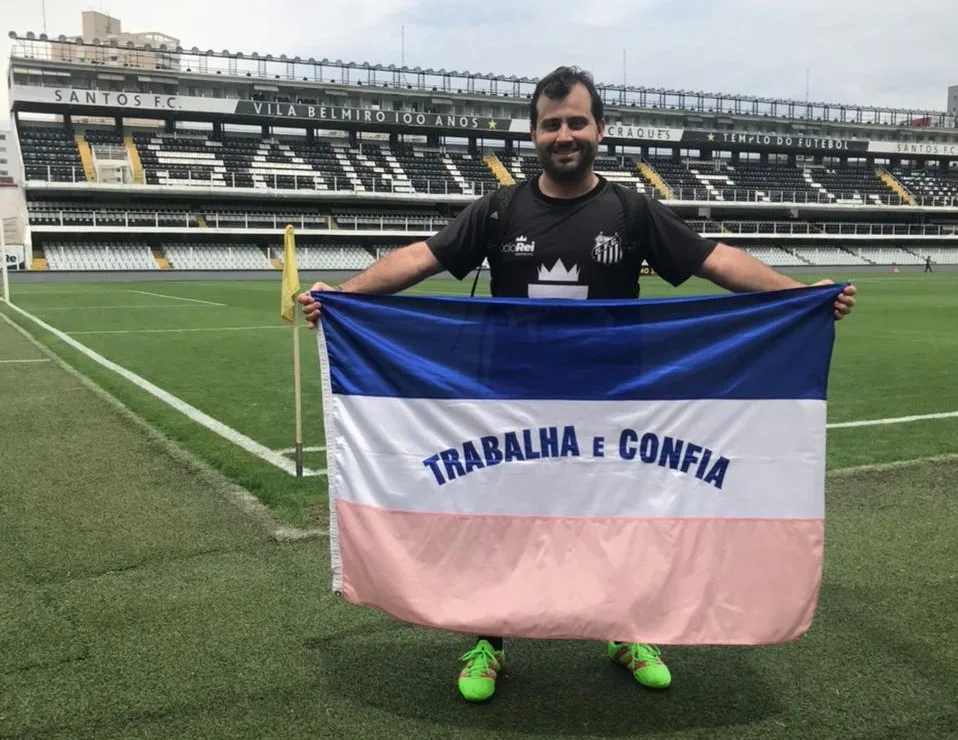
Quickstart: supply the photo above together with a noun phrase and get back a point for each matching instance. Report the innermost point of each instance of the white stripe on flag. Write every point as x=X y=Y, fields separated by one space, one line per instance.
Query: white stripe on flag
x=391 y=451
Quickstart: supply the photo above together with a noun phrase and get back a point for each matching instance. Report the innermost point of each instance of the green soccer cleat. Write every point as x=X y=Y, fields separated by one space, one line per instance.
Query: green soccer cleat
x=477 y=681
x=643 y=662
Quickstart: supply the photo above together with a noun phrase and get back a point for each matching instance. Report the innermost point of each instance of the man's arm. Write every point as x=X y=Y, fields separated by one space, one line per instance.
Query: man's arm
x=459 y=247
x=736 y=270
x=393 y=273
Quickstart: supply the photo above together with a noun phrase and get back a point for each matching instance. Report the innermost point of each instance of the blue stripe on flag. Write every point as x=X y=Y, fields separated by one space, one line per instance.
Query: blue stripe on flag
x=772 y=345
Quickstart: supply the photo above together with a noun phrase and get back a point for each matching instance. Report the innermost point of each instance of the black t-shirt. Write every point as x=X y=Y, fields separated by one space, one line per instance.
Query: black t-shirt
x=570 y=248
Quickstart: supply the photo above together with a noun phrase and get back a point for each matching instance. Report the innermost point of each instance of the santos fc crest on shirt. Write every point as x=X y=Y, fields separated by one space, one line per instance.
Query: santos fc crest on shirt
x=608 y=249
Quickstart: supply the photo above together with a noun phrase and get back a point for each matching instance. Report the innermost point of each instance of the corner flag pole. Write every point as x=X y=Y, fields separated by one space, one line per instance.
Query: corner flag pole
x=298 y=401
x=3 y=256
x=288 y=311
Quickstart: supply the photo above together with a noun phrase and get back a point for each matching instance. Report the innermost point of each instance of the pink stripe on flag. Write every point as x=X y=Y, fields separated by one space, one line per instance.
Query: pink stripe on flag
x=666 y=581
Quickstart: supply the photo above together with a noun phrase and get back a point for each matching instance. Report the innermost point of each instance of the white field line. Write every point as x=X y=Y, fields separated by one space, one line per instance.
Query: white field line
x=291 y=450
x=176 y=331
x=894 y=464
x=193 y=413
x=17 y=362
x=177 y=298
x=892 y=420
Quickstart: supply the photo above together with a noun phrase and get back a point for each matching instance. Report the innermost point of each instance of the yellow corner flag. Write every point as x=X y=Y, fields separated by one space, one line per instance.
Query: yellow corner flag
x=287 y=309
x=290 y=276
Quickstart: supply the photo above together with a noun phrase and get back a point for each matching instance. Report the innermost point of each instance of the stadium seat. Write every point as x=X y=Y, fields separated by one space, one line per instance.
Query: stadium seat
x=106 y=256
x=50 y=153
x=932 y=187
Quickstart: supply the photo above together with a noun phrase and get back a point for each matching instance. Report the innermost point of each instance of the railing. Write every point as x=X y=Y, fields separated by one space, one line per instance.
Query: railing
x=773 y=228
x=113 y=219
x=343 y=223
x=281 y=182
x=476 y=189
x=115 y=152
x=806 y=197
x=733 y=195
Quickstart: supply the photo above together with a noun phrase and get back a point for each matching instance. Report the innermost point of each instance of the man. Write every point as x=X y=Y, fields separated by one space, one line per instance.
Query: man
x=566 y=237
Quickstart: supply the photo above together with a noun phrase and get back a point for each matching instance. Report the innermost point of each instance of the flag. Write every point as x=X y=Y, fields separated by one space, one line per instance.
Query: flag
x=290 y=276
x=647 y=471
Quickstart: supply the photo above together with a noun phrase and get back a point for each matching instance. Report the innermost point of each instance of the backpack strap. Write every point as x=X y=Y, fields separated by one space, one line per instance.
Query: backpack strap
x=633 y=204
x=501 y=204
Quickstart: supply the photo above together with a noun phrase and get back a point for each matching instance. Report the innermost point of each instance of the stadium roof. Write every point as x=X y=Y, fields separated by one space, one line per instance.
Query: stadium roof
x=38 y=47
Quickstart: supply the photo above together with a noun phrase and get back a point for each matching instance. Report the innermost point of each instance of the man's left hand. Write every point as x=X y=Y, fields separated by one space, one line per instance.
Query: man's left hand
x=845 y=300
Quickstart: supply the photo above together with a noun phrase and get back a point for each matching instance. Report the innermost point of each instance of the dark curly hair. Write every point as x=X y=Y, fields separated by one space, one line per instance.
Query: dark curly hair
x=558 y=84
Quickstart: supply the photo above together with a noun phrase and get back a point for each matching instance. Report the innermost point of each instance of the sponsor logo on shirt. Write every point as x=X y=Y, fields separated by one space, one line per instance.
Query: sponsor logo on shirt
x=521 y=246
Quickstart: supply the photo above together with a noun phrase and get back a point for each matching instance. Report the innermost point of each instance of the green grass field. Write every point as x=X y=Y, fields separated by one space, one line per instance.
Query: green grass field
x=225 y=351
x=137 y=600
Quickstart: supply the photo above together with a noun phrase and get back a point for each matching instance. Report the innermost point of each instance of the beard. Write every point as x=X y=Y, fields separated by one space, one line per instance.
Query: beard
x=571 y=169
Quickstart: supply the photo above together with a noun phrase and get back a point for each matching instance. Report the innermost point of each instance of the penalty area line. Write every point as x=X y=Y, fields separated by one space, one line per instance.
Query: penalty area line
x=177 y=298
x=893 y=464
x=176 y=331
x=892 y=420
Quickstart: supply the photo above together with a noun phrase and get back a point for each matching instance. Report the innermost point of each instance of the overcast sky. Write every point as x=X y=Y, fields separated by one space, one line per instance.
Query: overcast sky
x=872 y=52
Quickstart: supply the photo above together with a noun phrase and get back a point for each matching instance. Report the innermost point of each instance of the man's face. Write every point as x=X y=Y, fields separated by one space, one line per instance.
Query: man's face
x=566 y=135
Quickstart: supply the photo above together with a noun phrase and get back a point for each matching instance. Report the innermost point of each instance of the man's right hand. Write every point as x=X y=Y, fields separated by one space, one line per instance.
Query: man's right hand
x=311 y=307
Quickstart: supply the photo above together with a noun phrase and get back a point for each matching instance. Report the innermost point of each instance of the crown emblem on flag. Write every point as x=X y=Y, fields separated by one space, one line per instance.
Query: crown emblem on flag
x=558 y=273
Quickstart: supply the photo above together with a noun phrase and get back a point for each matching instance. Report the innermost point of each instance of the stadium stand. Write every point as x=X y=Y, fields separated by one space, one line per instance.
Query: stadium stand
x=520 y=166
x=936 y=188
x=722 y=180
x=102 y=256
x=939 y=255
x=775 y=256
x=128 y=191
x=328 y=168
x=50 y=154
x=474 y=170
x=768 y=183
x=338 y=257
x=679 y=177
x=205 y=256
x=853 y=185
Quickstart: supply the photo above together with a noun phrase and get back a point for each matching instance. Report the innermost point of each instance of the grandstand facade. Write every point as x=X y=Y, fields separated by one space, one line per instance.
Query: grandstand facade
x=152 y=159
